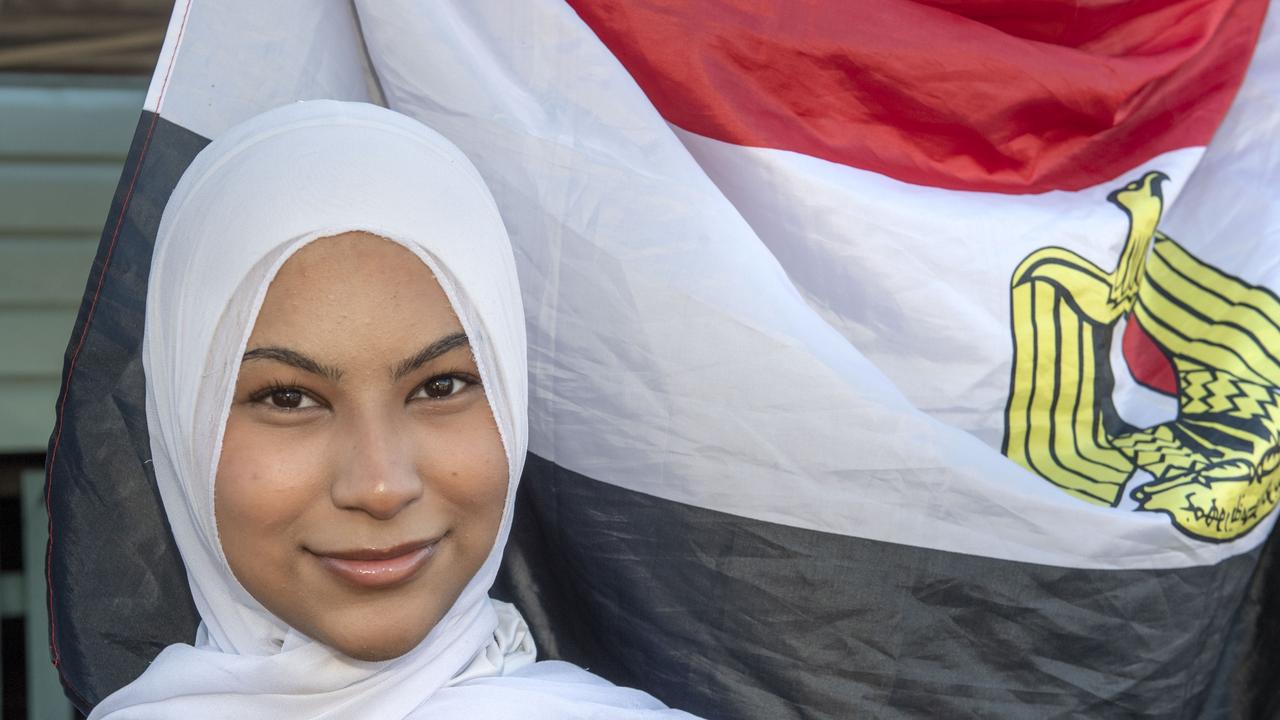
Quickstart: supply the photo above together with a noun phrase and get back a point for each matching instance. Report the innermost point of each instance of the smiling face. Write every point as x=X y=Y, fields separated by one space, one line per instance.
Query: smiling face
x=362 y=477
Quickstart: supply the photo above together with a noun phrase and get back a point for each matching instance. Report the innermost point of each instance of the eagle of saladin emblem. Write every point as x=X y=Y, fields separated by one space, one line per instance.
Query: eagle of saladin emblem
x=1207 y=338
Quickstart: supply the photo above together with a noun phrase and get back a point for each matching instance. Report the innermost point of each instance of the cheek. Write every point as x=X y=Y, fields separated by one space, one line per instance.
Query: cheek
x=264 y=484
x=471 y=467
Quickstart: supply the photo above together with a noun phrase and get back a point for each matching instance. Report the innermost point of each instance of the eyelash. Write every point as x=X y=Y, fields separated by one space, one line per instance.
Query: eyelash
x=275 y=386
x=467 y=378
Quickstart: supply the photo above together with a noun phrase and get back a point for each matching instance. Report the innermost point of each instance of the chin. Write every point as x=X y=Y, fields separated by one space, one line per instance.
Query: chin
x=378 y=650
x=375 y=654
x=384 y=636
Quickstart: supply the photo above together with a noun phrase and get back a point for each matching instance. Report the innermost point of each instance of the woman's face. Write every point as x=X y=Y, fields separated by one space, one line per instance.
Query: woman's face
x=362 y=477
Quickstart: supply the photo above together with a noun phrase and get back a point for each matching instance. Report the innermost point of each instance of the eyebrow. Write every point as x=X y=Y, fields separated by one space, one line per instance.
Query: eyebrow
x=429 y=353
x=302 y=362
x=294 y=358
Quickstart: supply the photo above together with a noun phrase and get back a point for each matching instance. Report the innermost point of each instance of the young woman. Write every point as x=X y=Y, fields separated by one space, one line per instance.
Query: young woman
x=336 y=399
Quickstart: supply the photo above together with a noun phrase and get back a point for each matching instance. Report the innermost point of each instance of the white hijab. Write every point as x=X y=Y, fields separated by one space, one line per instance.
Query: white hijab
x=251 y=199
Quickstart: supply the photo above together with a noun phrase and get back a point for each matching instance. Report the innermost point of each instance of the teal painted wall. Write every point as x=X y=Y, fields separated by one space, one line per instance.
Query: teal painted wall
x=63 y=141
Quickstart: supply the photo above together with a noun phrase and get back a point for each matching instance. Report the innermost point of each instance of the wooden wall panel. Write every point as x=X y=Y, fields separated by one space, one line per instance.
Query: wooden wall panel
x=62 y=147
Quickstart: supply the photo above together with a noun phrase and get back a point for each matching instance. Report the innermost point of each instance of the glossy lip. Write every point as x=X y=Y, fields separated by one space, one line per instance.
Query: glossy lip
x=379 y=567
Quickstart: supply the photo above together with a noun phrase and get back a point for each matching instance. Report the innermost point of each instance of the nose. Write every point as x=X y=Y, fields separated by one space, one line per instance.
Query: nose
x=377 y=475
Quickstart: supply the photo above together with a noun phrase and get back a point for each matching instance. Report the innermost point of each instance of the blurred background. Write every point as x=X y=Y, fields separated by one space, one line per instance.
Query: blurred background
x=73 y=74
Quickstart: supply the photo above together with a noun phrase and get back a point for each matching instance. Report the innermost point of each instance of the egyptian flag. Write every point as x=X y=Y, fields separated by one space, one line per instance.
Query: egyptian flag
x=888 y=358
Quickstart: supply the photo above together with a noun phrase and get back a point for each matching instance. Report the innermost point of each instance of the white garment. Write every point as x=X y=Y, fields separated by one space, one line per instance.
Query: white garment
x=251 y=199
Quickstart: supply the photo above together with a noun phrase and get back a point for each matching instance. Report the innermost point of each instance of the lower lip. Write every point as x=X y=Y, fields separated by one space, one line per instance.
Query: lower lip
x=380 y=573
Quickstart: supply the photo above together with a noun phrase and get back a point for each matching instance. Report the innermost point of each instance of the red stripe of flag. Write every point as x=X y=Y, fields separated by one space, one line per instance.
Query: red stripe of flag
x=1005 y=96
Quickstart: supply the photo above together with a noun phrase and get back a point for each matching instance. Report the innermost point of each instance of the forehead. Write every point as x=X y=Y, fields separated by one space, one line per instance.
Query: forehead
x=341 y=293
x=349 y=254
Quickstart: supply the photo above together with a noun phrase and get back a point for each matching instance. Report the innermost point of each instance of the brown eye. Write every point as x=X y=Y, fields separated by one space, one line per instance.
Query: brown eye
x=442 y=387
x=287 y=398
x=439 y=387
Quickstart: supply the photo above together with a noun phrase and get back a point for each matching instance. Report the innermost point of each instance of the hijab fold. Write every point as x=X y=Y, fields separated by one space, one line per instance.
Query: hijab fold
x=248 y=202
